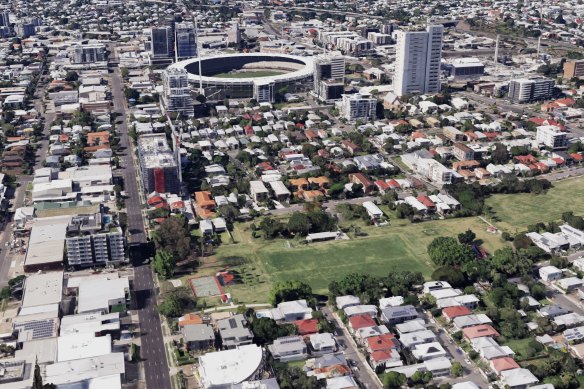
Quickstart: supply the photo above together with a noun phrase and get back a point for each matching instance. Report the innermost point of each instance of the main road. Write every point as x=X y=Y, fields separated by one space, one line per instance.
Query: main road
x=152 y=350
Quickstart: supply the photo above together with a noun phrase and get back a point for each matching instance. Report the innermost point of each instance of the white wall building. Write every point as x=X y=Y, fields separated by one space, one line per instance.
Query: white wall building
x=358 y=106
x=418 y=55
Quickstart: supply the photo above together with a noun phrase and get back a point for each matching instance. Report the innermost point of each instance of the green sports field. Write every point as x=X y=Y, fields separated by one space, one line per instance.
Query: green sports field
x=517 y=211
x=399 y=246
x=250 y=74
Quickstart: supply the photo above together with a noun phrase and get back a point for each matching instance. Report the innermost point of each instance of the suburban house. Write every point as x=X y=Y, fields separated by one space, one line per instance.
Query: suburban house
x=290 y=311
x=480 y=331
x=396 y=315
x=234 y=332
x=550 y=273
x=288 y=348
x=343 y=302
x=198 y=336
x=323 y=343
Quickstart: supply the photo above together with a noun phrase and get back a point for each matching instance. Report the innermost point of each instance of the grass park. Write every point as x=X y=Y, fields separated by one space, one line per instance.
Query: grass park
x=396 y=247
x=514 y=212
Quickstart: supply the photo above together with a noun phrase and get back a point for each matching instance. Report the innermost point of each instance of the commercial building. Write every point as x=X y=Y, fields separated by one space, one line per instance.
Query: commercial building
x=104 y=371
x=176 y=94
x=158 y=164
x=526 y=90
x=46 y=244
x=574 y=69
x=418 y=55
x=4 y=18
x=161 y=45
x=222 y=369
x=329 y=76
x=103 y=293
x=87 y=53
x=186 y=40
x=551 y=137
x=466 y=68
x=358 y=106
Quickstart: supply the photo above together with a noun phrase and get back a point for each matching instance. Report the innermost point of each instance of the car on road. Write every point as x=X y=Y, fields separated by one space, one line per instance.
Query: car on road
x=352 y=363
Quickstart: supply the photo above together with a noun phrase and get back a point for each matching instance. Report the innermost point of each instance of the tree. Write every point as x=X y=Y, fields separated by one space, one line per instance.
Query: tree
x=163 y=264
x=295 y=378
x=290 y=291
x=71 y=76
x=131 y=94
x=467 y=237
x=229 y=212
x=510 y=262
x=266 y=330
x=447 y=251
x=456 y=370
x=321 y=221
x=450 y=275
x=393 y=380
x=176 y=302
x=173 y=236
x=299 y=223
x=271 y=227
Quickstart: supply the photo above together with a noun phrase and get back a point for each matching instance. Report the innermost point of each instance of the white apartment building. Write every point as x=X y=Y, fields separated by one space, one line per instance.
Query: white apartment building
x=551 y=137
x=176 y=93
x=358 y=106
x=525 y=90
x=88 y=53
x=418 y=55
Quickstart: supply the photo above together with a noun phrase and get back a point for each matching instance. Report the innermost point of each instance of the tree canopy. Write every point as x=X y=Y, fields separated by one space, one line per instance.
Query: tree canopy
x=446 y=251
x=174 y=237
x=290 y=291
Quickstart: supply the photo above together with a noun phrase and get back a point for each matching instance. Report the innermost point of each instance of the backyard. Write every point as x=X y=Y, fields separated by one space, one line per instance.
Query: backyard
x=399 y=246
x=517 y=211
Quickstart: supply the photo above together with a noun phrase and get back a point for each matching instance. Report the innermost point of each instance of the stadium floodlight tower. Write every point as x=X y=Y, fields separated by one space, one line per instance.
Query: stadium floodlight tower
x=201 y=90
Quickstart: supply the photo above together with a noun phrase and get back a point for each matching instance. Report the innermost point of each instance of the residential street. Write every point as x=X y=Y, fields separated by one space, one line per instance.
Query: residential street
x=152 y=349
x=362 y=371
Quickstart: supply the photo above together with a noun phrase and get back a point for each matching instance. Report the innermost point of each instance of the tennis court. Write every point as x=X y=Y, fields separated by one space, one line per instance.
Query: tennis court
x=205 y=286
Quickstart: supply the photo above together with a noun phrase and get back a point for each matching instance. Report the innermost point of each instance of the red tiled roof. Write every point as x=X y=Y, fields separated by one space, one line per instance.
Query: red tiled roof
x=479 y=331
x=559 y=161
x=505 y=363
x=426 y=201
x=361 y=321
x=577 y=156
x=381 y=342
x=452 y=312
x=380 y=356
x=306 y=327
x=382 y=185
x=393 y=184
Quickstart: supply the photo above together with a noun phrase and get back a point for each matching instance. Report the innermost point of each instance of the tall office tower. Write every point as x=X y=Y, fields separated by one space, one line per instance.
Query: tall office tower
x=418 y=55
x=176 y=94
x=186 y=40
x=161 y=42
x=4 y=18
x=329 y=76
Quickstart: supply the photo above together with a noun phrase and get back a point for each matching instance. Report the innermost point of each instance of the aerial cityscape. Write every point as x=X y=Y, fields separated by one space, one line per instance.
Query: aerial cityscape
x=291 y=194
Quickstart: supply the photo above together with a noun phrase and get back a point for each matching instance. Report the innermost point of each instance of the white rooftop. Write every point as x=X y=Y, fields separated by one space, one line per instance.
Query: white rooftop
x=96 y=292
x=222 y=368
x=47 y=239
x=86 y=369
x=43 y=289
x=86 y=345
